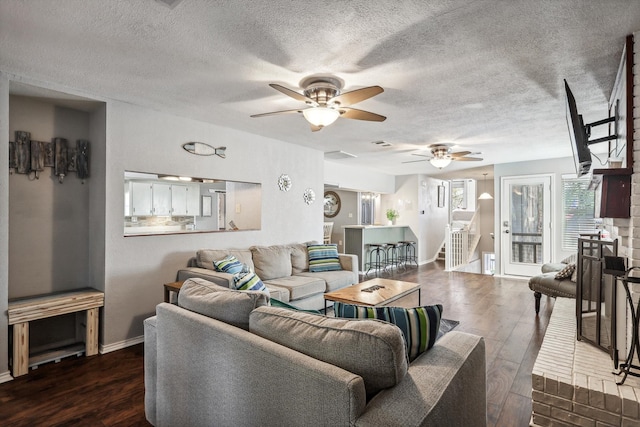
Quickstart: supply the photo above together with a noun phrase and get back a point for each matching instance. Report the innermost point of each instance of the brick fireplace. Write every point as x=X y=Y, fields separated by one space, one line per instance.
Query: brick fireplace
x=572 y=380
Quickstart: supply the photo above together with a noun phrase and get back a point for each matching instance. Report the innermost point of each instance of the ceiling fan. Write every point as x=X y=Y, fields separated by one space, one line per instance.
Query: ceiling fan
x=325 y=103
x=441 y=156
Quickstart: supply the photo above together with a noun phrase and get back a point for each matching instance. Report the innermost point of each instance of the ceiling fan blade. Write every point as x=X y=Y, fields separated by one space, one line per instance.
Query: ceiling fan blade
x=274 y=113
x=358 y=95
x=421 y=155
x=292 y=93
x=415 y=161
x=460 y=153
x=467 y=159
x=352 y=113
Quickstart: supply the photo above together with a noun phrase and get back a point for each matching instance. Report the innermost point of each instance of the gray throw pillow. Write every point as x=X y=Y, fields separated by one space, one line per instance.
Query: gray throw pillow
x=372 y=349
x=227 y=305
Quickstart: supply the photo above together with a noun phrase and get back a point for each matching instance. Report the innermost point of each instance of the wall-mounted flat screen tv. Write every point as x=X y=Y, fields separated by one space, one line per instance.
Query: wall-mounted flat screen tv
x=578 y=135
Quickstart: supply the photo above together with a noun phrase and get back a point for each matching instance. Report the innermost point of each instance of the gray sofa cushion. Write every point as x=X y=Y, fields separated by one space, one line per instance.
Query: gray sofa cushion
x=335 y=279
x=372 y=349
x=299 y=286
x=206 y=257
x=272 y=262
x=299 y=258
x=224 y=304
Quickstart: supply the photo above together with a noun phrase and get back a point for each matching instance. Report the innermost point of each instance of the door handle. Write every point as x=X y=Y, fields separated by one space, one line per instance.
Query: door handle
x=506 y=231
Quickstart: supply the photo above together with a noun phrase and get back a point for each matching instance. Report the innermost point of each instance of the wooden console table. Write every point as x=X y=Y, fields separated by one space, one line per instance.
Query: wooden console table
x=24 y=310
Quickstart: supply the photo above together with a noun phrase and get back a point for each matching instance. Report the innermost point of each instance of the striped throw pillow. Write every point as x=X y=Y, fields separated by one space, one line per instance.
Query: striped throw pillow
x=323 y=258
x=249 y=282
x=228 y=264
x=419 y=325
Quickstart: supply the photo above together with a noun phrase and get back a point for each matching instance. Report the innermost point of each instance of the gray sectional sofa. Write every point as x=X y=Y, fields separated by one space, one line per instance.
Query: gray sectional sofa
x=284 y=269
x=223 y=357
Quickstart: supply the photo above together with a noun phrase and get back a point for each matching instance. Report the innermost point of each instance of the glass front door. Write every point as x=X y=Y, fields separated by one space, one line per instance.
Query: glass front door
x=525 y=223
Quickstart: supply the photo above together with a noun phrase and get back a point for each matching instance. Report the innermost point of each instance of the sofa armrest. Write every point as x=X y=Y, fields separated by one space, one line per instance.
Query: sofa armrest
x=552 y=266
x=150 y=368
x=222 y=279
x=349 y=262
x=444 y=386
x=203 y=365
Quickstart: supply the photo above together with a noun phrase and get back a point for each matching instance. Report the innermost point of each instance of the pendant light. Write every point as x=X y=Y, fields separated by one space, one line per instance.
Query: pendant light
x=485 y=195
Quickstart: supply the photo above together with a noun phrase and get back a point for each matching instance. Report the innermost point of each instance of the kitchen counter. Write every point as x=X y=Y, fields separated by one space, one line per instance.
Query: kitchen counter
x=358 y=237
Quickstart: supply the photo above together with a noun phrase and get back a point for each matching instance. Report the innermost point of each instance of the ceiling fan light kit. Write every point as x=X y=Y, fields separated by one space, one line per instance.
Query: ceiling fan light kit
x=441 y=156
x=321 y=116
x=325 y=103
x=440 y=162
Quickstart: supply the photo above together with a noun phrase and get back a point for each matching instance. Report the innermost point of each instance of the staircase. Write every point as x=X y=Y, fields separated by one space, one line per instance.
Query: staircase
x=462 y=241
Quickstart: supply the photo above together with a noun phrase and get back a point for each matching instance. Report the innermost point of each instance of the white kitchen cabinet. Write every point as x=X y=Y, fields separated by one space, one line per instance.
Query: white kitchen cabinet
x=185 y=199
x=161 y=199
x=141 y=198
x=179 y=199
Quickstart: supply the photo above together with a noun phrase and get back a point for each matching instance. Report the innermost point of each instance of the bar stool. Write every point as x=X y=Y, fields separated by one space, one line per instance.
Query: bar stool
x=393 y=256
x=377 y=258
x=409 y=254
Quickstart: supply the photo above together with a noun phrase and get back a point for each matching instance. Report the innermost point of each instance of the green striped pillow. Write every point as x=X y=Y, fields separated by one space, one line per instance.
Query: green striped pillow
x=249 y=282
x=228 y=264
x=323 y=258
x=419 y=325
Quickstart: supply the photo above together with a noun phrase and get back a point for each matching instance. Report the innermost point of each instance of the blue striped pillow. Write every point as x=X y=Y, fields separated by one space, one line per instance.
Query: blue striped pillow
x=323 y=258
x=419 y=325
x=228 y=264
x=249 y=282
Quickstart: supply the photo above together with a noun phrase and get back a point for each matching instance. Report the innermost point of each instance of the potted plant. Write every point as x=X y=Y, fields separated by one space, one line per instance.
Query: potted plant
x=392 y=214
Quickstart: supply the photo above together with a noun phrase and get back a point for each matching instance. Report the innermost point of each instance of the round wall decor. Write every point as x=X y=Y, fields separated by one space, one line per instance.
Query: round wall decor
x=309 y=196
x=284 y=182
x=332 y=204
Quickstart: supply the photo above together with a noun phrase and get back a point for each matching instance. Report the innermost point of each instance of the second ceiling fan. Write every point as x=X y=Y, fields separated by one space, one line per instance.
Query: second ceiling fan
x=441 y=156
x=325 y=103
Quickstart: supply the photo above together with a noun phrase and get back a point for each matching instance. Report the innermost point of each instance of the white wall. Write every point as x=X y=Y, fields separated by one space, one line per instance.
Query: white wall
x=358 y=179
x=433 y=222
x=142 y=140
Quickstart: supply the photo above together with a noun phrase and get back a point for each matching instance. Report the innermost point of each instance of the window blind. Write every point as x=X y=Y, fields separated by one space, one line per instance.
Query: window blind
x=578 y=205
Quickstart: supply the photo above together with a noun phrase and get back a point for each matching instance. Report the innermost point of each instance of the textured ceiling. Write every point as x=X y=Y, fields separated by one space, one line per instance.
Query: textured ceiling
x=485 y=75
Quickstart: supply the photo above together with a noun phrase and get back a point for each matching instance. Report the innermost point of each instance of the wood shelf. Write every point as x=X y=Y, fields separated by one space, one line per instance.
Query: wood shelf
x=613 y=171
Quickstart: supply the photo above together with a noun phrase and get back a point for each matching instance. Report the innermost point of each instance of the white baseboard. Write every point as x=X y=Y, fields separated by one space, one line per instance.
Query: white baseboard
x=120 y=344
x=5 y=377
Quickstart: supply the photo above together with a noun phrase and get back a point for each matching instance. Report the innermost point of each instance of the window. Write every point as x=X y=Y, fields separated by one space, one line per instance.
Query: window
x=578 y=205
x=458 y=195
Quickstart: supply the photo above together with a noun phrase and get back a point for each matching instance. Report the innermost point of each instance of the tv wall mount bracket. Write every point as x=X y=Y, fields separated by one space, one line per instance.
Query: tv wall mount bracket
x=614 y=119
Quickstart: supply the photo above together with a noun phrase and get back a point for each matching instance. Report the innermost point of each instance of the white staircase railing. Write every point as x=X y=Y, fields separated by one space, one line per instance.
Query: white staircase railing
x=461 y=242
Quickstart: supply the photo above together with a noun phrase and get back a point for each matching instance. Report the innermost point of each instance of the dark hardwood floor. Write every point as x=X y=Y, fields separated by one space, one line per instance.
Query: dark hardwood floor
x=108 y=390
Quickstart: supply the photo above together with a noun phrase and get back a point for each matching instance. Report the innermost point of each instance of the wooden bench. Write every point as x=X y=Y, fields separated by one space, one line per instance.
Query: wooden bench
x=24 y=310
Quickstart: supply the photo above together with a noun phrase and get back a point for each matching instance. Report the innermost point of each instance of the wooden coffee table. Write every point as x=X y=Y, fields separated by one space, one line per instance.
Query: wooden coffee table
x=374 y=292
